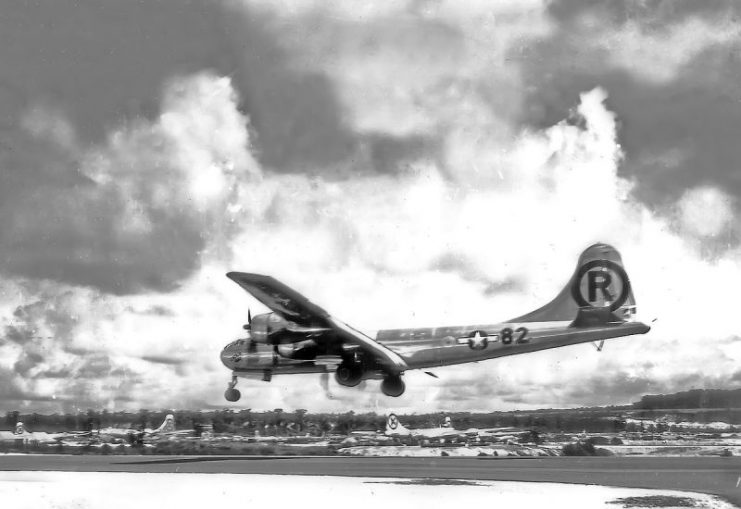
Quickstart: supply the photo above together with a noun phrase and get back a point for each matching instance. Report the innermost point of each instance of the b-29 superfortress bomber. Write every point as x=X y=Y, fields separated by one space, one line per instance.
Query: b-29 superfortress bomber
x=298 y=336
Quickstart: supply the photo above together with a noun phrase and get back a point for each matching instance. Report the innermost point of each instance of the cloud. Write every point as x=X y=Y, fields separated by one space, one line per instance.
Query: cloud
x=705 y=211
x=651 y=40
x=381 y=239
x=156 y=359
x=294 y=109
x=158 y=310
x=408 y=165
x=389 y=243
x=667 y=67
x=656 y=12
x=12 y=391
x=622 y=388
x=41 y=332
x=346 y=81
x=638 y=48
x=138 y=211
x=113 y=71
x=459 y=264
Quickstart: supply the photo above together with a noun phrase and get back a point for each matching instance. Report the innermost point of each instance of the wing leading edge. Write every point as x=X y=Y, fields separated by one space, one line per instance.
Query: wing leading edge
x=281 y=298
x=292 y=306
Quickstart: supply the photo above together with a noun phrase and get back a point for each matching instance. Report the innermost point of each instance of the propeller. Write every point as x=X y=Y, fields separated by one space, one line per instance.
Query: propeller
x=248 y=325
x=252 y=347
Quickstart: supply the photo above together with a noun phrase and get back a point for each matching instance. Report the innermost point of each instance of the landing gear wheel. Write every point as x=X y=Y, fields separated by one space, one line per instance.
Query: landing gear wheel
x=348 y=374
x=232 y=395
x=393 y=386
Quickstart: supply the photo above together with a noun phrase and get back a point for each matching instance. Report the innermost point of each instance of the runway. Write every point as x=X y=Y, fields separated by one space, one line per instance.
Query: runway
x=124 y=490
x=713 y=475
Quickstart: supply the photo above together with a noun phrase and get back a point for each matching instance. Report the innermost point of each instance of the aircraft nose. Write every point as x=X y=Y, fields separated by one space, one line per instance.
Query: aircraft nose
x=228 y=356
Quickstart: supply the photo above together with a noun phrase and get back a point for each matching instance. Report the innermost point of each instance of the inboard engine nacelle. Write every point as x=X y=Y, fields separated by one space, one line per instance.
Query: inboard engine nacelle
x=271 y=328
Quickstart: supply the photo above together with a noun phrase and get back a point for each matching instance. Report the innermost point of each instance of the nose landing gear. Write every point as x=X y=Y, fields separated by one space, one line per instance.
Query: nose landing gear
x=232 y=394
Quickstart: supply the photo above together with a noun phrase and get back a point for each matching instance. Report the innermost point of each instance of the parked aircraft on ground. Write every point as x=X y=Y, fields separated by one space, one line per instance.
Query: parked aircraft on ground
x=300 y=337
x=21 y=433
x=166 y=429
x=395 y=428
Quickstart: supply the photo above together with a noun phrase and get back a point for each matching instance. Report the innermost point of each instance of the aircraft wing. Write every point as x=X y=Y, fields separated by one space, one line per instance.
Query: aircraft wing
x=387 y=358
x=280 y=298
x=296 y=308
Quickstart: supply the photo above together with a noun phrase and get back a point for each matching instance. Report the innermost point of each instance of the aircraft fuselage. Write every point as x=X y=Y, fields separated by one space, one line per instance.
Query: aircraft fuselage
x=424 y=348
x=420 y=347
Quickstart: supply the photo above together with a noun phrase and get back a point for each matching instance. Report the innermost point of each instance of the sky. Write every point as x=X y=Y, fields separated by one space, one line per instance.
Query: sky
x=405 y=163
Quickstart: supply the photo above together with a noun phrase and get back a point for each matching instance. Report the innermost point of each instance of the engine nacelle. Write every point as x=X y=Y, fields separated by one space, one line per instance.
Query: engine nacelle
x=244 y=355
x=265 y=326
x=349 y=374
x=302 y=350
x=273 y=329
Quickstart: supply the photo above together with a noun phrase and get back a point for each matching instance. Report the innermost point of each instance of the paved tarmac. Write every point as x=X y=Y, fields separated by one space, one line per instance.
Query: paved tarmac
x=714 y=475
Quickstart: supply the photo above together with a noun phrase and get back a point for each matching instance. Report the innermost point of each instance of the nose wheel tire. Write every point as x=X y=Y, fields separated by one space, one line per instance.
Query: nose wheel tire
x=393 y=386
x=232 y=395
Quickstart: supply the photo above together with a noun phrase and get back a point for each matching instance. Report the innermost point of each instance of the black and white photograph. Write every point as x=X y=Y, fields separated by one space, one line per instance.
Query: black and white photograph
x=427 y=253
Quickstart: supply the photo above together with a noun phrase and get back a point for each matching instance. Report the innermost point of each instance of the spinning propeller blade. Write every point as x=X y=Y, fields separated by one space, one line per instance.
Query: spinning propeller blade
x=248 y=325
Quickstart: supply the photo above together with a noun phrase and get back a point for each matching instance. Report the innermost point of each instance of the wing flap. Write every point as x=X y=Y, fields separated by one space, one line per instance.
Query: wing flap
x=390 y=360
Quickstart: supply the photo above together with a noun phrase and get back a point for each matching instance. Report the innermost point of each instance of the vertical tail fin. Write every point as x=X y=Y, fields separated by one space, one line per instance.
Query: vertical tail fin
x=167 y=426
x=599 y=289
x=394 y=427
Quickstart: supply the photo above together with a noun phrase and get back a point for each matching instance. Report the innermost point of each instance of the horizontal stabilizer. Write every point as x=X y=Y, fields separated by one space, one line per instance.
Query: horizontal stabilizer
x=594 y=317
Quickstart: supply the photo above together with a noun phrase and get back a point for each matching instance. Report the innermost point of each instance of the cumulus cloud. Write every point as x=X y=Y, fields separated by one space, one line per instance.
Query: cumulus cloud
x=407 y=165
x=135 y=214
x=639 y=49
x=347 y=81
x=137 y=211
x=653 y=41
x=71 y=348
x=667 y=67
x=705 y=211
x=382 y=239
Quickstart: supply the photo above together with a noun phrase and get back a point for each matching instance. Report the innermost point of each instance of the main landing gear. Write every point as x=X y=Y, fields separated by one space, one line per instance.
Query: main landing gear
x=393 y=386
x=349 y=374
x=232 y=394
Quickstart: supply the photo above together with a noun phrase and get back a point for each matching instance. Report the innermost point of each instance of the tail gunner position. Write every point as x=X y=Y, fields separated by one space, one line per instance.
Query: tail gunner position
x=300 y=337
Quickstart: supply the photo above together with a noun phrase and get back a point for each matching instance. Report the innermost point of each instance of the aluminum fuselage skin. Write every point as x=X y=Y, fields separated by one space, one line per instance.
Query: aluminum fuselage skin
x=426 y=347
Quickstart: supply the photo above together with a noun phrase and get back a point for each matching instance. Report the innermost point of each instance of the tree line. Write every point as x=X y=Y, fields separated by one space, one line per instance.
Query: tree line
x=696 y=398
x=301 y=422
x=280 y=422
